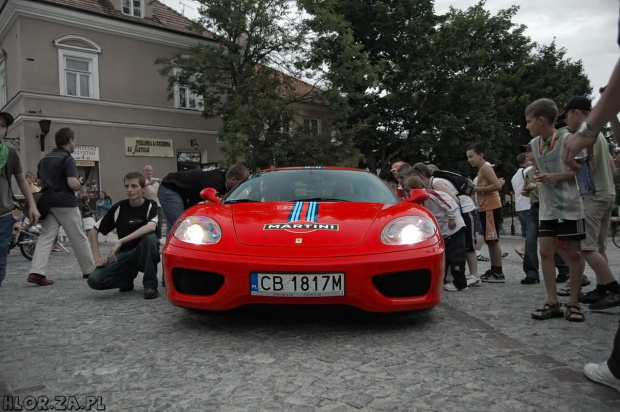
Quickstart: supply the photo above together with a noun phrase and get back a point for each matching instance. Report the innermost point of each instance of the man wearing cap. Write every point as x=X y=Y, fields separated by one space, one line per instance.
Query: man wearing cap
x=400 y=193
x=10 y=166
x=597 y=210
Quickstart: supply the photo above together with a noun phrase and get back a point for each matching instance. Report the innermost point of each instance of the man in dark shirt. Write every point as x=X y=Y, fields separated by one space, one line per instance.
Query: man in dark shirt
x=137 y=249
x=180 y=190
x=58 y=173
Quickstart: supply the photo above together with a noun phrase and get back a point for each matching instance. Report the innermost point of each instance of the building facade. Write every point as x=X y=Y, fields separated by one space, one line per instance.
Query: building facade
x=90 y=65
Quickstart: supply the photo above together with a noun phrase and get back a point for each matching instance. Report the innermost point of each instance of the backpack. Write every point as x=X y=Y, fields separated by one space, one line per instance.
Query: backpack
x=464 y=186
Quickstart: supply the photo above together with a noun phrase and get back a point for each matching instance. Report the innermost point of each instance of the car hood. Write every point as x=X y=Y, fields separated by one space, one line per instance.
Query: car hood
x=303 y=224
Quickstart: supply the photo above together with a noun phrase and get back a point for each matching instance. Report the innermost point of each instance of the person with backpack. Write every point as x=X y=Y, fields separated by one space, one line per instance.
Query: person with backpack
x=460 y=189
x=446 y=211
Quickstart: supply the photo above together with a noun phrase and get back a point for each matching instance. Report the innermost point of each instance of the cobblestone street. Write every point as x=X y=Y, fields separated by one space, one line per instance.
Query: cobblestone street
x=479 y=350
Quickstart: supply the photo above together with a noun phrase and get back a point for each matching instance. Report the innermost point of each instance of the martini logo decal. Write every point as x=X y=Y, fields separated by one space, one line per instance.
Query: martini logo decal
x=303 y=218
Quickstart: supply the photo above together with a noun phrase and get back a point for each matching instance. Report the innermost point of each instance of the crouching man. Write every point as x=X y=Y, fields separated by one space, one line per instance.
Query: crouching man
x=137 y=249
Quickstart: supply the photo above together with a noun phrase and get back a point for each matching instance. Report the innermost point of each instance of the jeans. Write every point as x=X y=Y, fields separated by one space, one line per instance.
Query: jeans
x=172 y=205
x=529 y=225
x=6 y=234
x=122 y=272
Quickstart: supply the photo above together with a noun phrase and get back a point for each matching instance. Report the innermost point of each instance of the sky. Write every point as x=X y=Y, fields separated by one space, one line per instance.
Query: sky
x=588 y=30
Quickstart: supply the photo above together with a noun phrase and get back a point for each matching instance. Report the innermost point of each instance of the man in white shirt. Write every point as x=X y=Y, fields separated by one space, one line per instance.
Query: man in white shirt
x=150 y=192
x=522 y=203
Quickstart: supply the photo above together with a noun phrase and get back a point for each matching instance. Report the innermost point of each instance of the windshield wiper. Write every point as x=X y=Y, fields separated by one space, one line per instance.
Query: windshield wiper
x=321 y=199
x=239 y=201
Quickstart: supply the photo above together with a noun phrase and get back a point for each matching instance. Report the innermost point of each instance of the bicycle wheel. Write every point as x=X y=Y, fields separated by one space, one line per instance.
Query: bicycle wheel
x=616 y=236
x=27 y=244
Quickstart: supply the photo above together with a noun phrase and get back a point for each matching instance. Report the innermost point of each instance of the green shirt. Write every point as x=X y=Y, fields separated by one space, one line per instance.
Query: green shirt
x=12 y=168
x=602 y=177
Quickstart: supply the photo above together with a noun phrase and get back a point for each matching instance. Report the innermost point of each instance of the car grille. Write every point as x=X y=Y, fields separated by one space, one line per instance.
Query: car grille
x=196 y=282
x=403 y=284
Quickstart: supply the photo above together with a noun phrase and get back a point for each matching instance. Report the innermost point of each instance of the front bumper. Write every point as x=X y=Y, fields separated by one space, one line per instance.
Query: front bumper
x=360 y=291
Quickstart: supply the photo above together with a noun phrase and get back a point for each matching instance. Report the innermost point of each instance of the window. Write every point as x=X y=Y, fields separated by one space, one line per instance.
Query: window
x=313 y=125
x=78 y=76
x=2 y=81
x=185 y=98
x=78 y=61
x=133 y=7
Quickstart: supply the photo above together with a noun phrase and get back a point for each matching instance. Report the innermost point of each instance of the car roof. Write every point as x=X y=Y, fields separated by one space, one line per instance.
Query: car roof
x=313 y=168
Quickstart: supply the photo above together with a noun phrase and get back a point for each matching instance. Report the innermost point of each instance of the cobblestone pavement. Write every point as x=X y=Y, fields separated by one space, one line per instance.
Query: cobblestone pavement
x=479 y=350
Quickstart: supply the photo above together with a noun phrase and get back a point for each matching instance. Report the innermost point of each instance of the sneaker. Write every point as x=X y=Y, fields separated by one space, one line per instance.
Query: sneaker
x=561 y=278
x=493 y=277
x=473 y=281
x=150 y=293
x=529 y=280
x=599 y=372
x=486 y=275
x=585 y=281
x=591 y=297
x=451 y=288
x=610 y=300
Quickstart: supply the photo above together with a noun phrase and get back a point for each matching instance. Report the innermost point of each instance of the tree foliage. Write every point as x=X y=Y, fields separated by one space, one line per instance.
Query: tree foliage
x=422 y=87
x=246 y=79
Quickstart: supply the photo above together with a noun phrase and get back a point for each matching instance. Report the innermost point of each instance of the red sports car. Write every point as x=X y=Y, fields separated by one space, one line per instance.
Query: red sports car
x=306 y=235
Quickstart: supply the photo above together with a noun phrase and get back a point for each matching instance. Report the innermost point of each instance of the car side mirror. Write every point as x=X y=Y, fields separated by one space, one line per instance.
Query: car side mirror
x=210 y=194
x=417 y=196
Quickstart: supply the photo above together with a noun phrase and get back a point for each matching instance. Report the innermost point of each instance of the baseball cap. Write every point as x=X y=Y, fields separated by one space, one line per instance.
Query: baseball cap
x=7 y=117
x=396 y=165
x=576 y=103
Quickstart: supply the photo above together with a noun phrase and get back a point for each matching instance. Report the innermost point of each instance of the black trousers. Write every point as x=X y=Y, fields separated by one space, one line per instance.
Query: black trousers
x=614 y=360
x=455 y=257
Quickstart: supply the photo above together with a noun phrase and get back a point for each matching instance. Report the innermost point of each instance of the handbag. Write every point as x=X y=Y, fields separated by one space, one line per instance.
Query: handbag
x=44 y=200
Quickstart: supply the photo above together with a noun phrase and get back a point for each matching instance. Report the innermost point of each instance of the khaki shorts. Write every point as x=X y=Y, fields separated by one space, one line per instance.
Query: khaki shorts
x=597 y=210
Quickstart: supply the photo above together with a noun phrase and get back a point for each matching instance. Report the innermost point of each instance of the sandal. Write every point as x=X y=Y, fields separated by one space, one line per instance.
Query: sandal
x=574 y=313
x=548 y=311
x=565 y=291
x=521 y=255
x=482 y=258
x=504 y=254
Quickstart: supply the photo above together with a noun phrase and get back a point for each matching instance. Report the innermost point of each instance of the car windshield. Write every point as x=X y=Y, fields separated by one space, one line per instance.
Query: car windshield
x=291 y=185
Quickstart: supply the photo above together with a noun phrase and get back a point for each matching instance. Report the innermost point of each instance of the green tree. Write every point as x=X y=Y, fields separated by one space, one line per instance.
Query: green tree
x=246 y=77
x=422 y=87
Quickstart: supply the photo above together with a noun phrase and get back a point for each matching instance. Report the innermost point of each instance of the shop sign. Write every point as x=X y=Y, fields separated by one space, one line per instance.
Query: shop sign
x=85 y=163
x=86 y=153
x=139 y=146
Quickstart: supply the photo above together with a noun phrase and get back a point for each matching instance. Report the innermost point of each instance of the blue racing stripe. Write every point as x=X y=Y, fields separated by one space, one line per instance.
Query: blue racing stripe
x=313 y=212
x=295 y=211
x=309 y=212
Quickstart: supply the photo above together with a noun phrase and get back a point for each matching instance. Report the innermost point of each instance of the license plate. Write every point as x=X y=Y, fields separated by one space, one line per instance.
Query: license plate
x=297 y=285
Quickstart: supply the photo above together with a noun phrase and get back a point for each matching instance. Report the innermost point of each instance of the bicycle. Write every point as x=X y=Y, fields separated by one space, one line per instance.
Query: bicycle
x=615 y=230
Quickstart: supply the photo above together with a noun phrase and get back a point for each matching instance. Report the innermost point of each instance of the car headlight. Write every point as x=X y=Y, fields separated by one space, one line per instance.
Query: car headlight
x=198 y=230
x=408 y=230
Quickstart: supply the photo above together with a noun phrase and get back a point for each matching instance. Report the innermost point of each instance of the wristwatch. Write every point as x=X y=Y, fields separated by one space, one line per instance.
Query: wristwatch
x=586 y=131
